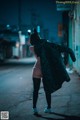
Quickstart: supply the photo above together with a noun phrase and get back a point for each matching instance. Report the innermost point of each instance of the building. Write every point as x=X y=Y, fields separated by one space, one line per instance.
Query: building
x=74 y=38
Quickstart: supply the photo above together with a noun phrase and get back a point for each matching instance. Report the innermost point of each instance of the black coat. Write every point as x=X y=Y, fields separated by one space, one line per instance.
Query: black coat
x=52 y=65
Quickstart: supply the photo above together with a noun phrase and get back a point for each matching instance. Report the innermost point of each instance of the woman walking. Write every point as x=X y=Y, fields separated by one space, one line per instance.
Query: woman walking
x=37 y=77
x=49 y=67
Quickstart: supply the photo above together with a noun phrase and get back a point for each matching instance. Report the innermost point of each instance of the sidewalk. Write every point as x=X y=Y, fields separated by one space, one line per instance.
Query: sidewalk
x=28 y=60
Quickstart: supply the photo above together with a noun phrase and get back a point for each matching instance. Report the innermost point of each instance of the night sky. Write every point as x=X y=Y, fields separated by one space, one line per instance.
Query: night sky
x=9 y=9
x=46 y=14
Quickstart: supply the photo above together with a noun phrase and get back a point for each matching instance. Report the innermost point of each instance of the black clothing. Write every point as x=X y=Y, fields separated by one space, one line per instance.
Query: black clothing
x=36 y=86
x=52 y=65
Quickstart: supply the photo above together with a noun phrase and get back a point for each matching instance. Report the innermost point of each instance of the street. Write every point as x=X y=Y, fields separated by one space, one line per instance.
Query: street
x=15 y=86
x=16 y=95
x=30 y=29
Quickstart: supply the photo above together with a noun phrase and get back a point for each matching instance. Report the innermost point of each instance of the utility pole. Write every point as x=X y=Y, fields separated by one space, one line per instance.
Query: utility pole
x=19 y=14
x=19 y=24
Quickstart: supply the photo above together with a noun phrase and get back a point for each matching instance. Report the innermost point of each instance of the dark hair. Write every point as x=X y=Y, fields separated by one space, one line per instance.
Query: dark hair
x=35 y=31
x=34 y=38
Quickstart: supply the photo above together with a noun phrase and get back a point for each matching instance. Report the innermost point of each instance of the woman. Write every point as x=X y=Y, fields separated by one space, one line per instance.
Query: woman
x=37 y=76
x=49 y=67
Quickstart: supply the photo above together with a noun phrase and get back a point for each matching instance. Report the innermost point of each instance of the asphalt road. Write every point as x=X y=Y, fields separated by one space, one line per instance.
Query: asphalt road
x=15 y=85
x=16 y=95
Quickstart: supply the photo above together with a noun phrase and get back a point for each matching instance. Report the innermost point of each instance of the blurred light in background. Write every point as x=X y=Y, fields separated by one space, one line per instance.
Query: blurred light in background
x=29 y=31
x=17 y=44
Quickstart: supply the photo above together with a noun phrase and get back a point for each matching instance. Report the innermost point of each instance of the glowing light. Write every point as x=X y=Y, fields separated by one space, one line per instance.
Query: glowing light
x=17 y=44
x=29 y=31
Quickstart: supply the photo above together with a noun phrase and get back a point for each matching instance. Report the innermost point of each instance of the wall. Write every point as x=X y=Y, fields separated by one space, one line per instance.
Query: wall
x=76 y=36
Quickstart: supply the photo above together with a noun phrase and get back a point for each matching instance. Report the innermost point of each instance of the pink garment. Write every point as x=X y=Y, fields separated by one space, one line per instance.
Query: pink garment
x=36 y=72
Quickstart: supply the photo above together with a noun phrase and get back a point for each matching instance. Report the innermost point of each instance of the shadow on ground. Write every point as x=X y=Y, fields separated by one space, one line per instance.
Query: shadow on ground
x=65 y=117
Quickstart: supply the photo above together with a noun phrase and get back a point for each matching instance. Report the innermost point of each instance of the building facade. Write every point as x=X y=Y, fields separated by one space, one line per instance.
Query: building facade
x=76 y=36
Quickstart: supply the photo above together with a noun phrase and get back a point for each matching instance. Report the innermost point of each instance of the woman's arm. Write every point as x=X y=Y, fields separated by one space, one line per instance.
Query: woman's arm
x=61 y=48
x=32 y=50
